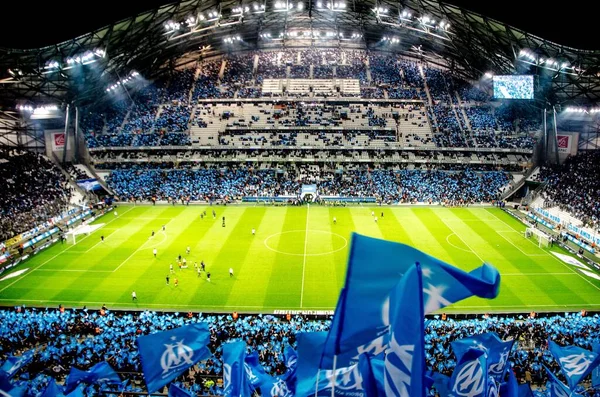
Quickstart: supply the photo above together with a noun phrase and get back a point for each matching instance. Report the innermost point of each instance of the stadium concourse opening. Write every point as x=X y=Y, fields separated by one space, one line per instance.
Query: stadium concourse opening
x=316 y=198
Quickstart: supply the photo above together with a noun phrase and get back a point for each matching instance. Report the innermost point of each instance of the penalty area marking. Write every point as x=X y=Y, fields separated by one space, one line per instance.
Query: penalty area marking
x=305 y=244
x=55 y=256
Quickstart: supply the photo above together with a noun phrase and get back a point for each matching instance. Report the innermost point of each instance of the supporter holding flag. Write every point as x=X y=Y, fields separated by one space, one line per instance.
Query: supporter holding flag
x=575 y=363
x=14 y=363
x=234 y=374
x=496 y=351
x=166 y=355
x=176 y=391
x=99 y=373
x=559 y=389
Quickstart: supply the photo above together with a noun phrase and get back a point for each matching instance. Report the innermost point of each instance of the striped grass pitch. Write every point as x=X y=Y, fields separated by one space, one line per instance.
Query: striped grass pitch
x=296 y=260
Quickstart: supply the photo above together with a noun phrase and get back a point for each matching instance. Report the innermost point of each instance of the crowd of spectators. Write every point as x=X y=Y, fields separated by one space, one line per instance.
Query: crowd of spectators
x=81 y=338
x=33 y=191
x=234 y=183
x=574 y=186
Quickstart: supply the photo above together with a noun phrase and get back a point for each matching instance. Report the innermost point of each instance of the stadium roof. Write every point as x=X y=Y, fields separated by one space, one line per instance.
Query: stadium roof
x=79 y=70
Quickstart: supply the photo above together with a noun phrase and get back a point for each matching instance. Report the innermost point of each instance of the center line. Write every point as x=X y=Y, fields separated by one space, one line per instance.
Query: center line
x=304 y=261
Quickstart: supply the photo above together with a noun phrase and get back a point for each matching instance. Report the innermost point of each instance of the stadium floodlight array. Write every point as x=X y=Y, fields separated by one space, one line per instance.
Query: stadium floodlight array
x=87 y=57
x=405 y=15
x=37 y=109
x=392 y=40
x=332 y=5
x=124 y=81
x=287 y=5
x=579 y=109
x=530 y=57
x=232 y=39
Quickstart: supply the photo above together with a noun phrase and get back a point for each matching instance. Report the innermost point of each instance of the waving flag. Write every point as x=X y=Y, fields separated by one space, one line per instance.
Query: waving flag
x=525 y=390
x=8 y=389
x=374 y=268
x=176 y=391
x=267 y=384
x=557 y=388
x=596 y=371
x=469 y=377
x=371 y=371
x=15 y=363
x=52 y=389
x=99 y=373
x=291 y=362
x=166 y=355
x=313 y=381
x=405 y=358
x=511 y=387
x=234 y=374
x=495 y=349
x=575 y=363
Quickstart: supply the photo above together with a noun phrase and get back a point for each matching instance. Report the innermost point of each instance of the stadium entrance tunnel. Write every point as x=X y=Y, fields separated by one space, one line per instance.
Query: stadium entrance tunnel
x=306 y=242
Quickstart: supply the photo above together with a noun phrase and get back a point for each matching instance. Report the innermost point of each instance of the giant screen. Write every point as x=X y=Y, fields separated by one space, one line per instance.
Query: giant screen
x=513 y=87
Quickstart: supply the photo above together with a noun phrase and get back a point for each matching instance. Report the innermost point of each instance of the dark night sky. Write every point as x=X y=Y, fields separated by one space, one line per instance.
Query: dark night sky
x=48 y=23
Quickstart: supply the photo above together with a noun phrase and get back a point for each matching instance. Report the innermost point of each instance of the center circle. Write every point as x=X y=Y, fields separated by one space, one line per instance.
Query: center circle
x=294 y=236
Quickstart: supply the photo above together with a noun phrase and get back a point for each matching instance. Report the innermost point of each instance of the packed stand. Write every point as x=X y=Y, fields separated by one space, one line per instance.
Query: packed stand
x=211 y=184
x=81 y=338
x=34 y=190
x=449 y=129
x=574 y=186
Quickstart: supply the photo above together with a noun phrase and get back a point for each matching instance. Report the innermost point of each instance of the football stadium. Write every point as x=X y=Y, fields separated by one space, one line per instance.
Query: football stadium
x=296 y=198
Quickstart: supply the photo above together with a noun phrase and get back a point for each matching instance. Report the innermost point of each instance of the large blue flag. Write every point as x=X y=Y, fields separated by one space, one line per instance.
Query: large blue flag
x=596 y=371
x=291 y=363
x=557 y=388
x=166 y=355
x=313 y=381
x=234 y=374
x=374 y=268
x=259 y=379
x=15 y=363
x=405 y=358
x=78 y=392
x=469 y=377
x=511 y=387
x=525 y=390
x=8 y=389
x=496 y=351
x=52 y=389
x=176 y=391
x=372 y=374
x=575 y=363
x=99 y=373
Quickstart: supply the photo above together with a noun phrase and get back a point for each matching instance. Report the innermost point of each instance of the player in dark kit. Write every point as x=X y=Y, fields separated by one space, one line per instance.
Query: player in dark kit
x=223 y=222
x=153 y=233
x=202 y=266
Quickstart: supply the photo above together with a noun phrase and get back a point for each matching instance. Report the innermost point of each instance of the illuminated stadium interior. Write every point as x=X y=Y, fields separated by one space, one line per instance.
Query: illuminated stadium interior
x=261 y=187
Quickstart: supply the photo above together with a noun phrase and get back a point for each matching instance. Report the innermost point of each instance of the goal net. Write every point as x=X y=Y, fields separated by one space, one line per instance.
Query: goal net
x=542 y=238
x=75 y=234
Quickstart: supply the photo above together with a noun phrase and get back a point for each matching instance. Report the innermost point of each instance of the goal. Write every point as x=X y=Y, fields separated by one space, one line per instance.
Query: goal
x=73 y=234
x=542 y=238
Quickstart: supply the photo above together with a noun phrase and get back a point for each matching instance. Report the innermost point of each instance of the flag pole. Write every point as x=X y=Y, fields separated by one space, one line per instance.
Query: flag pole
x=317 y=382
x=334 y=376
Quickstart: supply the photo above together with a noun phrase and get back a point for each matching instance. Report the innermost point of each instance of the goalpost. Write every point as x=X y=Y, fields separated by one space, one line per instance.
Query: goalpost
x=542 y=238
x=71 y=235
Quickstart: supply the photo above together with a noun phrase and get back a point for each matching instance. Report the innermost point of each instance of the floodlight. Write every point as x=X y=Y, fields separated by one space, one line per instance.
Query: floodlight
x=300 y=6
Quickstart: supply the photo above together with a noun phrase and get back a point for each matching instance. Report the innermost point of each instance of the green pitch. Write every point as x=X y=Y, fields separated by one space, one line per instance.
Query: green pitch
x=296 y=260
